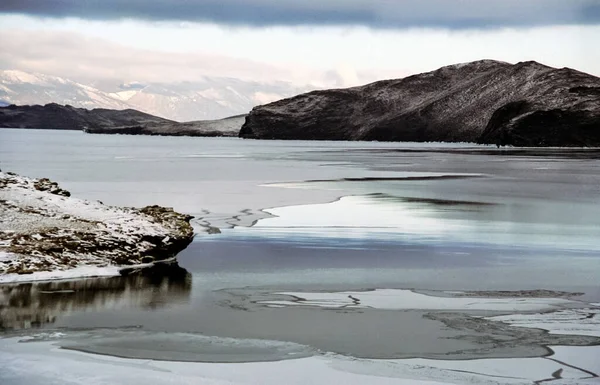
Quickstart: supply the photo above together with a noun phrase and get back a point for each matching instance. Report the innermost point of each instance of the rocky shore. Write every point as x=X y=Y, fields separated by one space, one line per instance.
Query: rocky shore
x=47 y=234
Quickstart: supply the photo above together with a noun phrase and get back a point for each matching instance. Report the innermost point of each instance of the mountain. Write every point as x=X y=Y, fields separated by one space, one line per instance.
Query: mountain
x=55 y=116
x=22 y=88
x=106 y=121
x=525 y=104
x=222 y=127
x=210 y=98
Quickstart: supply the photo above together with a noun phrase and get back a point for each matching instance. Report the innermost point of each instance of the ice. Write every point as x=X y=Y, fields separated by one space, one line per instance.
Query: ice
x=482 y=372
x=42 y=363
x=39 y=361
x=78 y=272
x=397 y=299
x=585 y=357
x=363 y=216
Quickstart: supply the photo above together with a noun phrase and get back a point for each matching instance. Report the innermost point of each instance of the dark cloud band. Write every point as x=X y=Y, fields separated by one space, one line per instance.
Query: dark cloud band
x=452 y=14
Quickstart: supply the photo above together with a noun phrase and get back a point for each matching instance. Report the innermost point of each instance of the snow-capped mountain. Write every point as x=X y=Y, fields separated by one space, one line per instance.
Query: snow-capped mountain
x=211 y=98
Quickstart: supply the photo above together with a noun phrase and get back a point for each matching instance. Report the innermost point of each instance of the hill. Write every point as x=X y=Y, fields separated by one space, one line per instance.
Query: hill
x=525 y=104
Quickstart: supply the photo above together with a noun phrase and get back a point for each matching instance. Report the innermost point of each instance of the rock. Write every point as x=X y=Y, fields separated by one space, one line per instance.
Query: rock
x=46 y=184
x=526 y=104
x=44 y=229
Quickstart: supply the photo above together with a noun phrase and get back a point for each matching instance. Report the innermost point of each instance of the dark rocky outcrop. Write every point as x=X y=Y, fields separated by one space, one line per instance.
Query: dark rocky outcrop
x=105 y=121
x=525 y=104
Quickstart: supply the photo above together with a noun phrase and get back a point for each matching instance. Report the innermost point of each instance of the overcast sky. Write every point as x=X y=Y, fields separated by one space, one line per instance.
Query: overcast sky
x=322 y=42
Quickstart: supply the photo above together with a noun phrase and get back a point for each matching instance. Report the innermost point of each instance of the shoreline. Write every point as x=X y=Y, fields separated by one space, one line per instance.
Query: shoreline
x=46 y=234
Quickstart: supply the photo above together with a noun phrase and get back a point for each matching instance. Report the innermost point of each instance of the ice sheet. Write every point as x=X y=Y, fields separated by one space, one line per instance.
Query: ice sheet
x=396 y=299
x=43 y=363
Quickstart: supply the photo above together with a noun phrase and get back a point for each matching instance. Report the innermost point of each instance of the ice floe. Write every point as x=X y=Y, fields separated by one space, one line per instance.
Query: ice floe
x=398 y=299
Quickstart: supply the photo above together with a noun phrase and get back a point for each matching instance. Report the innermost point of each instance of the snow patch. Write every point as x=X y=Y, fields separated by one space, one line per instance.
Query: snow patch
x=78 y=272
x=583 y=322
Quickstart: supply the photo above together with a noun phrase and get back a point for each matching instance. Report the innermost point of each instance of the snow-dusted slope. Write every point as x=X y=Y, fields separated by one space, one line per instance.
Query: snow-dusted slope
x=22 y=88
x=211 y=98
x=489 y=101
x=46 y=234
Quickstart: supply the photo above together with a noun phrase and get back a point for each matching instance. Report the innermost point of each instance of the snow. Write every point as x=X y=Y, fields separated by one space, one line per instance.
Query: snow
x=46 y=216
x=585 y=357
x=15 y=76
x=396 y=299
x=4 y=256
x=484 y=371
x=583 y=322
x=187 y=101
x=24 y=195
x=124 y=95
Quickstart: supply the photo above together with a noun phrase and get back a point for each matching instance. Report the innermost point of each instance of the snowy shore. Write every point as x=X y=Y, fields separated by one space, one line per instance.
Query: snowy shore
x=47 y=234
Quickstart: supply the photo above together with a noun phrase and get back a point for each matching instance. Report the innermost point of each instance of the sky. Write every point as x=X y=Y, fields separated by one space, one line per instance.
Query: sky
x=317 y=42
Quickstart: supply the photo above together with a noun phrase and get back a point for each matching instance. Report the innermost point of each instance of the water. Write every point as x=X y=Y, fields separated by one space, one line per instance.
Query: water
x=309 y=216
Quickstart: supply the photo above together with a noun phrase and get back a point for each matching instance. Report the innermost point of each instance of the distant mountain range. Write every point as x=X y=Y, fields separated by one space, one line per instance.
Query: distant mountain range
x=492 y=102
x=211 y=98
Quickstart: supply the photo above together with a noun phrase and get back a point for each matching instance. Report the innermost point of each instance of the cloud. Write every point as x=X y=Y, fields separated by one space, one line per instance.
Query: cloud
x=451 y=14
x=87 y=59
x=75 y=56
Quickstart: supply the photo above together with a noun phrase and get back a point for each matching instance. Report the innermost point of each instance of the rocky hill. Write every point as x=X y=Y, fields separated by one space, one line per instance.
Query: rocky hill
x=525 y=104
x=55 y=116
x=106 y=121
x=221 y=127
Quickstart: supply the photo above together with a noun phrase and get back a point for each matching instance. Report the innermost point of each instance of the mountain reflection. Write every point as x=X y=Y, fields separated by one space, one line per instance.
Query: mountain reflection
x=31 y=305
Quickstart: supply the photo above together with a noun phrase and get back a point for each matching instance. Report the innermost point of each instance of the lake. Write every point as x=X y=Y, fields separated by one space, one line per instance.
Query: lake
x=364 y=250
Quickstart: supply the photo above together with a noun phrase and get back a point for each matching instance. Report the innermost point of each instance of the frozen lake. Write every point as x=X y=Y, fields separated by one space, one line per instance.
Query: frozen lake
x=378 y=252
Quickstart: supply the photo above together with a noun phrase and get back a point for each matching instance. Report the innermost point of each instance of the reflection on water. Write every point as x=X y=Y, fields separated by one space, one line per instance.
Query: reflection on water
x=31 y=305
